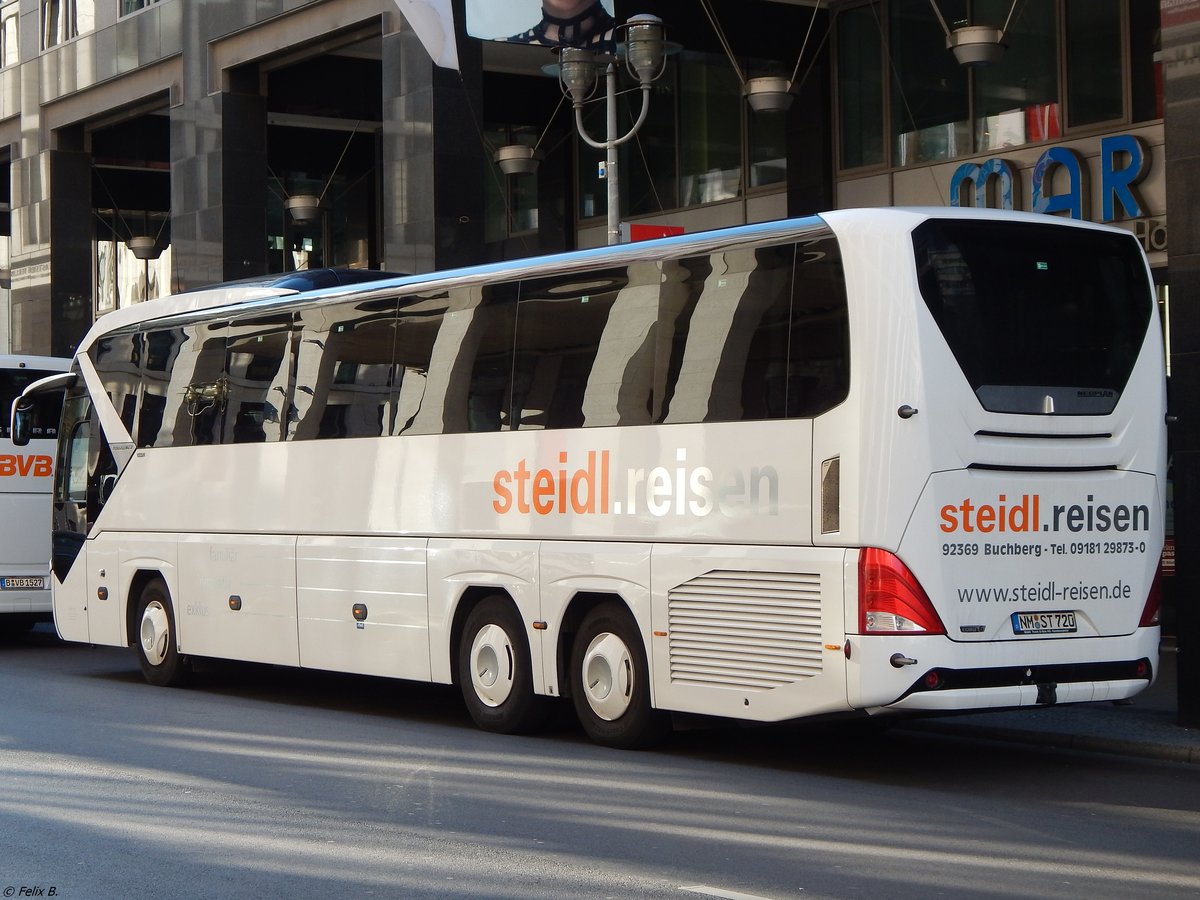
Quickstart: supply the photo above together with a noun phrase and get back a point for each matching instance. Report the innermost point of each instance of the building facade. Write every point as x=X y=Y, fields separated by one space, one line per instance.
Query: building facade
x=154 y=146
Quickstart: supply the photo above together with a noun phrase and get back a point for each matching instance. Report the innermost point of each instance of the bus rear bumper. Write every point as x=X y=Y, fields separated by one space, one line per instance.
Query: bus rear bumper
x=930 y=673
x=1031 y=695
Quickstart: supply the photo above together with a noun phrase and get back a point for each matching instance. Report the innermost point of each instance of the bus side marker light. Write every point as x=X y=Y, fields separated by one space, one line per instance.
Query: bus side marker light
x=359 y=611
x=235 y=602
x=102 y=593
x=660 y=634
x=834 y=647
x=540 y=625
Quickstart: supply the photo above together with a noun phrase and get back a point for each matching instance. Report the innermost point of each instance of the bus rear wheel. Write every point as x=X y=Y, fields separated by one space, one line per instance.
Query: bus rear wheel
x=494 y=670
x=610 y=682
x=157 y=650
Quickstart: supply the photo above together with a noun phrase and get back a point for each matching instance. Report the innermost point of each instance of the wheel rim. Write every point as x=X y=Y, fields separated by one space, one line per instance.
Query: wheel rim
x=155 y=632
x=608 y=676
x=492 y=665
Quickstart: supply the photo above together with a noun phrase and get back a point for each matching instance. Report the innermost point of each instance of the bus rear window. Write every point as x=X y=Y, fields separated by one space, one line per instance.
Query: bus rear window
x=1041 y=319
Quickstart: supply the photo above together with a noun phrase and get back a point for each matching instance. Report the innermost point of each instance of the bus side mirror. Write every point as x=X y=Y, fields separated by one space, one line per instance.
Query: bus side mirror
x=22 y=420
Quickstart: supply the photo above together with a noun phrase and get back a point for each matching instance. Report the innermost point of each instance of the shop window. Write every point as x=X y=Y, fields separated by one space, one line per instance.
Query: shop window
x=1093 y=35
x=1016 y=100
x=860 y=86
x=700 y=143
x=1067 y=65
x=649 y=164
x=710 y=138
x=337 y=167
x=930 y=107
x=63 y=20
x=689 y=151
x=510 y=201
x=768 y=149
x=1145 y=62
x=123 y=280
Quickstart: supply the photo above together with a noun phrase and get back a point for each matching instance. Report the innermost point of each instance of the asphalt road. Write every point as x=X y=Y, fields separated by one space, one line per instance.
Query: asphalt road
x=263 y=783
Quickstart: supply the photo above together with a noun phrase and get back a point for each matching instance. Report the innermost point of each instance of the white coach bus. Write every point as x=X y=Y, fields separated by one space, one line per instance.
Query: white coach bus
x=869 y=462
x=25 y=479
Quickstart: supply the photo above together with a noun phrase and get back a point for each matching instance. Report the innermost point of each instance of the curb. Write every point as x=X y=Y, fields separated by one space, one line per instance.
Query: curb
x=1084 y=742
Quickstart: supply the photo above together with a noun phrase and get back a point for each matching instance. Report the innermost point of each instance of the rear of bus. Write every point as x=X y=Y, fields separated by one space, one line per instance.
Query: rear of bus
x=25 y=483
x=1006 y=484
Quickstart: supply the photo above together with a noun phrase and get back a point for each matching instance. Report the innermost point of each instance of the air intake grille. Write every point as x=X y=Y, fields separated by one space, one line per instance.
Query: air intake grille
x=749 y=630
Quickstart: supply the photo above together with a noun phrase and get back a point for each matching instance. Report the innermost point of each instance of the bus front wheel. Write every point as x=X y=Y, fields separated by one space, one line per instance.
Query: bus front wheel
x=157 y=650
x=494 y=670
x=610 y=682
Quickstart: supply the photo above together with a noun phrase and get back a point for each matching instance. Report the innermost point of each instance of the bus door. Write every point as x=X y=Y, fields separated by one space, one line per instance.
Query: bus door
x=84 y=479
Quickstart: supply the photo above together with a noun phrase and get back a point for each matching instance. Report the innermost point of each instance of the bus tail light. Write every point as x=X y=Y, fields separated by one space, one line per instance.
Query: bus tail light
x=890 y=599
x=1152 y=612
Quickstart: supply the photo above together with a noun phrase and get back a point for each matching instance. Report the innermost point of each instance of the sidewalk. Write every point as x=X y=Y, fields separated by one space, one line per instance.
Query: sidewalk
x=1145 y=726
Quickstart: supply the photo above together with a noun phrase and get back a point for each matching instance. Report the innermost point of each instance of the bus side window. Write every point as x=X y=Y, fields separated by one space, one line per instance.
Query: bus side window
x=416 y=337
x=728 y=348
x=258 y=379
x=489 y=341
x=818 y=371
x=560 y=371
x=194 y=403
x=345 y=371
x=162 y=349
x=118 y=362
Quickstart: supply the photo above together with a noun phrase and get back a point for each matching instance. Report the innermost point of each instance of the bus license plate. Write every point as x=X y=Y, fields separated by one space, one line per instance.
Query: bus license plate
x=12 y=583
x=1044 y=623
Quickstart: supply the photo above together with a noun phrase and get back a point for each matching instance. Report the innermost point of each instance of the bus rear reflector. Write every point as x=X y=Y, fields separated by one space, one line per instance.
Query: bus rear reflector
x=1153 y=609
x=890 y=599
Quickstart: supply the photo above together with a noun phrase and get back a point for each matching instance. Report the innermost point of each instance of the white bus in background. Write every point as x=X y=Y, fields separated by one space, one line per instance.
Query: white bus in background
x=26 y=475
x=872 y=462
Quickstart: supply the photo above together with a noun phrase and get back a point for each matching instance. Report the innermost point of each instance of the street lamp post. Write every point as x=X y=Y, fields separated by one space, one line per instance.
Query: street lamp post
x=645 y=52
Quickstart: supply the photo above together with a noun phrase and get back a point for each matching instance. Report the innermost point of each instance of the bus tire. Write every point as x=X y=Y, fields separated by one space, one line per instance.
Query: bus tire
x=158 y=653
x=495 y=673
x=610 y=682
